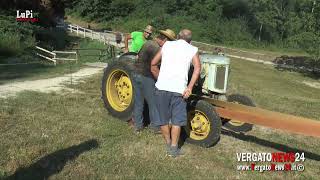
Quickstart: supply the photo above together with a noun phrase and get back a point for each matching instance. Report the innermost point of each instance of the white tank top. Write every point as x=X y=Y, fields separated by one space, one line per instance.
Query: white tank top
x=175 y=63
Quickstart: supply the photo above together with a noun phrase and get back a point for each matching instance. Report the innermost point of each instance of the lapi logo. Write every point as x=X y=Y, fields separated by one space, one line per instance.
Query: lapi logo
x=25 y=16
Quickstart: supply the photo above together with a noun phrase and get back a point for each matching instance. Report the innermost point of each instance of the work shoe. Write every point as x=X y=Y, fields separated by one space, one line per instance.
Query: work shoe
x=168 y=148
x=155 y=130
x=175 y=151
x=131 y=123
x=138 y=130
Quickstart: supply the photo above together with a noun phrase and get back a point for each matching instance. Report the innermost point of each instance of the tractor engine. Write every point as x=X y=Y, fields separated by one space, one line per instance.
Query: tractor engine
x=214 y=75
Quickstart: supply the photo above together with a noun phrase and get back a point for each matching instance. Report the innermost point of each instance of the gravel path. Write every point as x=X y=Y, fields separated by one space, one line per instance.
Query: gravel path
x=51 y=84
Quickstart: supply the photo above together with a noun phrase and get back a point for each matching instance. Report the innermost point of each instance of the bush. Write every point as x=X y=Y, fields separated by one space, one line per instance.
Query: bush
x=15 y=37
x=53 y=38
x=9 y=44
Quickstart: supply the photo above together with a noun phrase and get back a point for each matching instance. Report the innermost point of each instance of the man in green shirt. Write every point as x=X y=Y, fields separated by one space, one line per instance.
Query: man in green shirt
x=138 y=39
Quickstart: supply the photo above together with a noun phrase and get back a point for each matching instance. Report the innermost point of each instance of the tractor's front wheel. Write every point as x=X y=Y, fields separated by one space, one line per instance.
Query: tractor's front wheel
x=234 y=124
x=117 y=90
x=204 y=125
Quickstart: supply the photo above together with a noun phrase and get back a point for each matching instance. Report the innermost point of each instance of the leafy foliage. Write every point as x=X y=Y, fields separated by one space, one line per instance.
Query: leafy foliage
x=288 y=24
x=14 y=36
x=242 y=22
x=310 y=43
x=104 y=10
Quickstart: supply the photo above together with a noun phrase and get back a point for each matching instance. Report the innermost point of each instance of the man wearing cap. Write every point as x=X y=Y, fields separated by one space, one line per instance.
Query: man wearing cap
x=144 y=81
x=172 y=86
x=138 y=39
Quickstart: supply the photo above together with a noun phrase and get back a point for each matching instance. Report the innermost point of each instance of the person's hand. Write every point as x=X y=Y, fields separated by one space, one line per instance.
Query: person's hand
x=186 y=93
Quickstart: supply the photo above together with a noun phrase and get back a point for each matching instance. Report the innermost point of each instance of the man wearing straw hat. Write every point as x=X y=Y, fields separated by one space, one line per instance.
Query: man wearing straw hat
x=138 y=39
x=144 y=81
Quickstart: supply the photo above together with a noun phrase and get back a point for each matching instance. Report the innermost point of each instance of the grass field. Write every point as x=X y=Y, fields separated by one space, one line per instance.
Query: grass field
x=71 y=136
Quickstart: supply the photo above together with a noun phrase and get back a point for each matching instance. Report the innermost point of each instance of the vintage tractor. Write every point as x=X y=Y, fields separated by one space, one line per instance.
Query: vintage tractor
x=209 y=108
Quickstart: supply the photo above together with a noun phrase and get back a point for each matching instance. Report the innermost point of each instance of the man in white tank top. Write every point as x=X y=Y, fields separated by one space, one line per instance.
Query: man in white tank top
x=172 y=86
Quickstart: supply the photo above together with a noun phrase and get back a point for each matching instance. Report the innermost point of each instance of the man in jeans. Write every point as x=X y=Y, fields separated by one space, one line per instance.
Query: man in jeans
x=144 y=82
x=172 y=86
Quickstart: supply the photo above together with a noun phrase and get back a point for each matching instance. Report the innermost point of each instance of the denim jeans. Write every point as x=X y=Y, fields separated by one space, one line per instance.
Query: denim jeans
x=144 y=89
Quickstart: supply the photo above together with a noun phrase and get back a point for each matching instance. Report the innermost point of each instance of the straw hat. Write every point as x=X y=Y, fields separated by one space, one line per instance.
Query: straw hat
x=149 y=29
x=168 y=33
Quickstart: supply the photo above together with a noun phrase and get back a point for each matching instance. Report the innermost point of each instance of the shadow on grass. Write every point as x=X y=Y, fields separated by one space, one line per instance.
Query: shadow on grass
x=37 y=71
x=19 y=71
x=277 y=146
x=54 y=162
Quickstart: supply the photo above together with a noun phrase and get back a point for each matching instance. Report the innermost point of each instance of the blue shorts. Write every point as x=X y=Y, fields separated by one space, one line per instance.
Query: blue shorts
x=171 y=106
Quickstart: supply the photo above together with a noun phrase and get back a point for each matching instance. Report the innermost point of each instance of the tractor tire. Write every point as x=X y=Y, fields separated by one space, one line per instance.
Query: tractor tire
x=204 y=124
x=235 y=125
x=117 y=88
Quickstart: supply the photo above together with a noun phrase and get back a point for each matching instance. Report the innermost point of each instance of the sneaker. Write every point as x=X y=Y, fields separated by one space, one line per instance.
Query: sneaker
x=175 y=151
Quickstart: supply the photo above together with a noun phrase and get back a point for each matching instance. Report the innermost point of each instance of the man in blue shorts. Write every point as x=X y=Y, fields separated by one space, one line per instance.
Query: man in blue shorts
x=172 y=86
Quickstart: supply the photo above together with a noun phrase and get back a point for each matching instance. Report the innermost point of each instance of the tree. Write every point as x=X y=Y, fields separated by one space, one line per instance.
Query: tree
x=104 y=10
x=264 y=14
x=310 y=43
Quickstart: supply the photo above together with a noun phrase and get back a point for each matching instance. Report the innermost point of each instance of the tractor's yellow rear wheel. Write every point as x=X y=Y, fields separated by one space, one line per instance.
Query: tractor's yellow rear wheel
x=117 y=90
x=204 y=125
x=234 y=124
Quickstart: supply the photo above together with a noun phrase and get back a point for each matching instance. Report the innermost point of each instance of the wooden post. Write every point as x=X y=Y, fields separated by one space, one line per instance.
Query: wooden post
x=77 y=56
x=114 y=51
x=91 y=34
x=84 y=33
x=54 y=59
x=77 y=30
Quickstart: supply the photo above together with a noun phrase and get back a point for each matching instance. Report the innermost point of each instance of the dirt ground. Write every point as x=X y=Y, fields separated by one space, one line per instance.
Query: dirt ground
x=51 y=84
x=312 y=84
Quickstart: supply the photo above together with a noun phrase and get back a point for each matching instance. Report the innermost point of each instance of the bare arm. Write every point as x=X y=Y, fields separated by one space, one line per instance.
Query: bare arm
x=154 y=64
x=195 y=75
x=126 y=42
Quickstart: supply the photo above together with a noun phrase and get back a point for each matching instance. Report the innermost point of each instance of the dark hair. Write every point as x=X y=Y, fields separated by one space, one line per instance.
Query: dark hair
x=162 y=37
